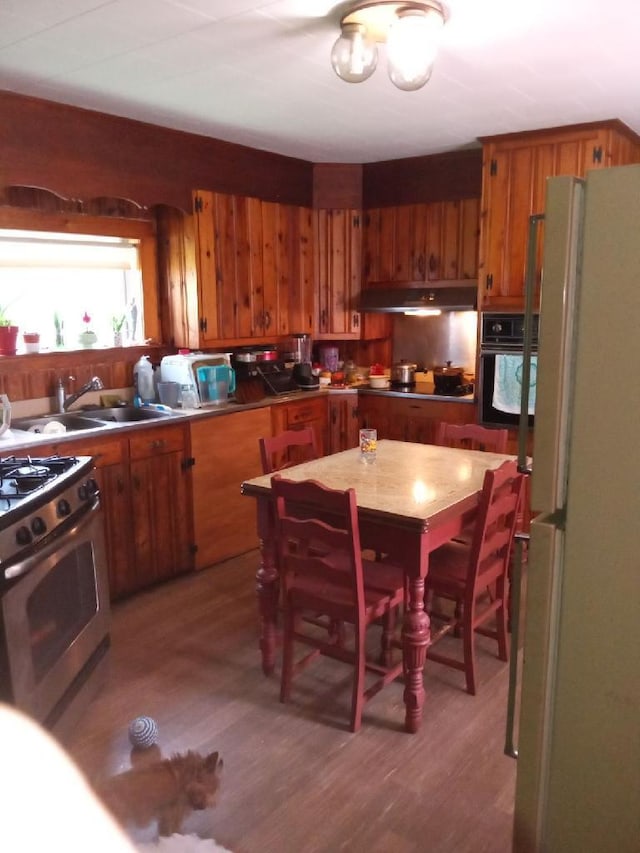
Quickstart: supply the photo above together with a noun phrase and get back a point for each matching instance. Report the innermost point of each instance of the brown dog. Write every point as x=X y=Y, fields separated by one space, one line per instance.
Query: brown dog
x=165 y=790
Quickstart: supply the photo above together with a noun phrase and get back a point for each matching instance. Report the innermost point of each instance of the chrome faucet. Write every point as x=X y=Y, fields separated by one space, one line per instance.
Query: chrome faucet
x=94 y=384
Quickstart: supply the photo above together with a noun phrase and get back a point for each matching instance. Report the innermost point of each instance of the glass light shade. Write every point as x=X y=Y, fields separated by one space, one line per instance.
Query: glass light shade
x=354 y=56
x=412 y=45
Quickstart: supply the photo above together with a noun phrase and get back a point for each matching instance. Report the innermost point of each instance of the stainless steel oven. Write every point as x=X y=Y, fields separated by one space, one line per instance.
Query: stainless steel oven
x=501 y=366
x=54 y=595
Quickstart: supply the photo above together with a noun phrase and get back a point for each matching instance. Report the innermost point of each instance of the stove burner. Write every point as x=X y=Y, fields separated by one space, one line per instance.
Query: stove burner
x=21 y=476
x=460 y=391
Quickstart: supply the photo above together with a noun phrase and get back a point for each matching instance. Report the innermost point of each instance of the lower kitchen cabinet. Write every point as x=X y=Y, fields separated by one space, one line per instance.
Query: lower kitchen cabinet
x=411 y=419
x=343 y=422
x=160 y=504
x=298 y=414
x=145 y=497
x=225 y=451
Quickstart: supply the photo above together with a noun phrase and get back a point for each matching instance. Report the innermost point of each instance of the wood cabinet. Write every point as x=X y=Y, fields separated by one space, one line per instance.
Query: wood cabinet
x=255 y=271
x=225 y=451
x=410 y=419
x=297 y=414
x=515 y=170
x=146 y=500
x=435 y=241
x=160 y=504
x=338 y=247
x=342 y=415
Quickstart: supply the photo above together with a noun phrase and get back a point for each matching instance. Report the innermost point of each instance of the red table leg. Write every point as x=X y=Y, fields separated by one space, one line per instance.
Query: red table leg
x=415 y=639
x=267 y=587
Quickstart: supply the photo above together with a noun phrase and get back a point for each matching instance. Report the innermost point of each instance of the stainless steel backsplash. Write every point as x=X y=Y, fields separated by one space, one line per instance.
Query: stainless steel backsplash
x=452 y=336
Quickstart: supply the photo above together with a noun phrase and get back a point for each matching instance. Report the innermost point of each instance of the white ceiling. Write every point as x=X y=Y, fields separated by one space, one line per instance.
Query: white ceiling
x=258 y=73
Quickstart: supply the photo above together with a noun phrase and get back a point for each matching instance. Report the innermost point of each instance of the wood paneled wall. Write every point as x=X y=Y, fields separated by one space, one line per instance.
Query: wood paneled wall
x=84 y=154
x=26 y=377
x=412 y=180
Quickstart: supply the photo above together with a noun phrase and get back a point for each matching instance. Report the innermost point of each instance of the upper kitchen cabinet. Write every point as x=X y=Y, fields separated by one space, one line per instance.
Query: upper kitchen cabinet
x=434 y=241
x=255 y=264
x=337 y=248
x=241 y=269
x=515 y=169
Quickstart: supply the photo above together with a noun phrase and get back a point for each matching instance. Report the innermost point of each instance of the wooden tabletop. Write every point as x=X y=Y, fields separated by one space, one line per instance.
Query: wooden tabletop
x=408 y=484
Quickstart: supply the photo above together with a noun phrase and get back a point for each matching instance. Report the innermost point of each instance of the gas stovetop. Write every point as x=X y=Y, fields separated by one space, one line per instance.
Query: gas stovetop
x=37 y=495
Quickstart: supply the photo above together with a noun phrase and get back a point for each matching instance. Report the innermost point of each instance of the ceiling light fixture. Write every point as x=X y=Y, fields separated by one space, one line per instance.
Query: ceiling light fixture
x=411 y=32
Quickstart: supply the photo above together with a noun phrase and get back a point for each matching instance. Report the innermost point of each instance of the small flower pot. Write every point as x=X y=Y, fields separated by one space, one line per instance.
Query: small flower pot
x=88 y=339
x=31 y=341
x=8 y=340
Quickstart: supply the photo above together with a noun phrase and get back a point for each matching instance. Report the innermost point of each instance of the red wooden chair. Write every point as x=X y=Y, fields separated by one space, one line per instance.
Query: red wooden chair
x=472 y=437
x=336 y=582
x=287 y=448
x=463 y=572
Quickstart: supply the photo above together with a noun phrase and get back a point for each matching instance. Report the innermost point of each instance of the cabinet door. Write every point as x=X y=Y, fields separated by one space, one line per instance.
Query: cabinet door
x=206 y=262
x=375 y=413
x=338 y=265
x=161 y=501
x=118 y=516
x=302 y=281
x=226 y=452
x=343 y=422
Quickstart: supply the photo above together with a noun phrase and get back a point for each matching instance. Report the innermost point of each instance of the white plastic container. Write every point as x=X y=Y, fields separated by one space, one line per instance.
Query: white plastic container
x=143 y=380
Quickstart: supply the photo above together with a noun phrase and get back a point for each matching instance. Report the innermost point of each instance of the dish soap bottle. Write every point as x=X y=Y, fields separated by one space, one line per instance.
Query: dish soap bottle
x=143 y=380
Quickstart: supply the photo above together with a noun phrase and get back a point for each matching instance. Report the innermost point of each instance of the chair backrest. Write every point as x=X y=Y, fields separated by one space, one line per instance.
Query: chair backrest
x=472 y=437
x=495 y=525
x=287 y=448
x=317 y=538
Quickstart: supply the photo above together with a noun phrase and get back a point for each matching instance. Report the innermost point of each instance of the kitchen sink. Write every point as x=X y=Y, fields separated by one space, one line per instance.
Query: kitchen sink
x=87 y=419
x=49 y=423
x=124 y=414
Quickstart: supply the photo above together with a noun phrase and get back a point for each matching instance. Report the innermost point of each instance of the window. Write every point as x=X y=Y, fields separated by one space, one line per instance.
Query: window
x=62 y=284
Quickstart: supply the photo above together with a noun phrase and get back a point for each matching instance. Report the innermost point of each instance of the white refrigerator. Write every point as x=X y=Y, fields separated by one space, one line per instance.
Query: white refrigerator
x=578 y=771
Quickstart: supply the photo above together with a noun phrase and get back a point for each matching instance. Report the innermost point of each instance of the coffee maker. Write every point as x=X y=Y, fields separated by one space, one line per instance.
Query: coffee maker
x=300 y=345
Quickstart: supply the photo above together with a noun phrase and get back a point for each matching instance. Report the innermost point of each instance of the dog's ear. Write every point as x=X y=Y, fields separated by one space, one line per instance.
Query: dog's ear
x=212 y=762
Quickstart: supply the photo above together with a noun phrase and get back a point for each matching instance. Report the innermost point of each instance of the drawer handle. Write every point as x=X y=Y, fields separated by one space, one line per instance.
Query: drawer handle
x=157 y=444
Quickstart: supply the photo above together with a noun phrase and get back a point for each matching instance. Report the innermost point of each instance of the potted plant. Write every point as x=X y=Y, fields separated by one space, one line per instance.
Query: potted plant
x=8 y=333
x=87 y=338
x=117 y=322
x=58 y=323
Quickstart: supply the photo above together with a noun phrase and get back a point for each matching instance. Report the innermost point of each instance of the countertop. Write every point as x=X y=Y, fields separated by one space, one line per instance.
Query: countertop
x=13 y=440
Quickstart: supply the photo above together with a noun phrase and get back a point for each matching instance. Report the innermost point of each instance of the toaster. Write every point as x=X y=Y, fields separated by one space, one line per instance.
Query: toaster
x=182 y=368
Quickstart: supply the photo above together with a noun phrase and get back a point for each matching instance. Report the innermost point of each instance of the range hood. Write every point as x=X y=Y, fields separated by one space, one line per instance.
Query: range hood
x=413 y=297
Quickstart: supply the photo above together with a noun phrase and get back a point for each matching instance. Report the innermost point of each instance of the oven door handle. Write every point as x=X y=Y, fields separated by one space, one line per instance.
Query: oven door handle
x=52 y=544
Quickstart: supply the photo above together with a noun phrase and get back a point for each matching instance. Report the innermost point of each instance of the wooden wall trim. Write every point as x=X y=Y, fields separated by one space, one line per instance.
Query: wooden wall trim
x=83 y=154
x=611 y=124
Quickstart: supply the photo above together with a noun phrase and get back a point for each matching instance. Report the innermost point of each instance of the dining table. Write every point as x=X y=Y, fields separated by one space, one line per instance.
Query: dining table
x=412 y=498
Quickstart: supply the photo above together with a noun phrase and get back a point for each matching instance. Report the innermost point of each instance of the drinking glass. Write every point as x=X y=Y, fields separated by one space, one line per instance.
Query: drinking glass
x=368 y=442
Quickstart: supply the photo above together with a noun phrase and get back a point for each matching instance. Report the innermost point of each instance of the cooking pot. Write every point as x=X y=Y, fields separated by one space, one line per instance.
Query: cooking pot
x=267 y=355
x=447 y=378
x=246 y=357
x=403 y=373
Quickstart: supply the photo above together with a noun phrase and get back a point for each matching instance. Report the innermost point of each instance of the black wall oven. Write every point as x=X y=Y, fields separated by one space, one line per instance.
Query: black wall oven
x=54 y=594
x=501 y=362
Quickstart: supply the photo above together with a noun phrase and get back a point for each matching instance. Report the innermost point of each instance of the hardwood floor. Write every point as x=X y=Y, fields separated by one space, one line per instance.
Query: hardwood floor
x=295 y=780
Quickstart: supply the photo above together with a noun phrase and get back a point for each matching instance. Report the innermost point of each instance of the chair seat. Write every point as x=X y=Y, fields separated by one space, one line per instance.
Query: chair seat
x=310 y=594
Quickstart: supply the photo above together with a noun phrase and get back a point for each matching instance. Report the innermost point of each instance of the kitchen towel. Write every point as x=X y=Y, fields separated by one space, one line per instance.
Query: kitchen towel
x=507 y=384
